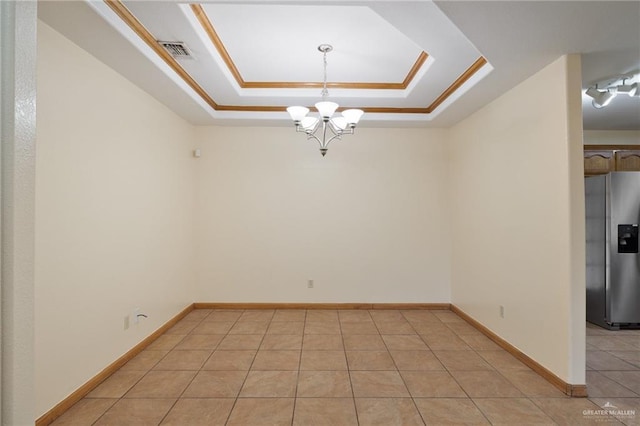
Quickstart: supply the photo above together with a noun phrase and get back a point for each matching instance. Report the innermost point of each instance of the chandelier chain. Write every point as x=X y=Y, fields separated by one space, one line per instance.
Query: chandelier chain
x=324 y=92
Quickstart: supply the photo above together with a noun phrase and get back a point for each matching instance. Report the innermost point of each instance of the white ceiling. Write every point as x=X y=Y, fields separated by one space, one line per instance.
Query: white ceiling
x=406 y=63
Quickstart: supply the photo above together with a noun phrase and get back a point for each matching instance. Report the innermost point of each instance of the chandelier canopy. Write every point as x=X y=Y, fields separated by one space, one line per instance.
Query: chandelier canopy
x=327 y=126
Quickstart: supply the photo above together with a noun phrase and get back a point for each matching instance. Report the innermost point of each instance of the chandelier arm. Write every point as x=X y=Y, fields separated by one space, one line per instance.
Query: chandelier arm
x=334 y=130
x=331 y=139
x=300 y=129
x=314 y=137
x=336 y=134
x=323 y=142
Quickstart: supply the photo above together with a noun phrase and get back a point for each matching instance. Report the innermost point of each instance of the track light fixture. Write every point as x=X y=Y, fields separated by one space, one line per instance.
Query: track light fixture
x=604 y=92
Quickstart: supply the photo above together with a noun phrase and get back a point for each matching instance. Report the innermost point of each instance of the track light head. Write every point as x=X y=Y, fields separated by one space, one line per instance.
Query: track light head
x=630 y=89
x=601 y=98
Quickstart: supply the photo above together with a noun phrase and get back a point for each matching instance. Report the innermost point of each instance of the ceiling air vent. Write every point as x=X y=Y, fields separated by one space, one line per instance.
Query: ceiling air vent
x=177 y=49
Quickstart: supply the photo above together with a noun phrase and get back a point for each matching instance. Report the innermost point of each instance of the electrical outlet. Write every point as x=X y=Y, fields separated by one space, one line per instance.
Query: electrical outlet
x=310 y=284
x=126 y=322
x=501 y=311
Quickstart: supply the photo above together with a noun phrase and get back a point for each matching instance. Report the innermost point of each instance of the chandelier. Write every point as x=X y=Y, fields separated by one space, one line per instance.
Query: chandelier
x=327 y=126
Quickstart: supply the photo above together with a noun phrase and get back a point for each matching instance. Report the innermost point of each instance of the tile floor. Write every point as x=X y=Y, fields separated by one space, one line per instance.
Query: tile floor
x=350 y=367
x=613 y=369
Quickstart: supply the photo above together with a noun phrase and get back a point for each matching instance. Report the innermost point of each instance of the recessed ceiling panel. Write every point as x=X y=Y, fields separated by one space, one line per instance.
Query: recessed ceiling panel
x=272 y=43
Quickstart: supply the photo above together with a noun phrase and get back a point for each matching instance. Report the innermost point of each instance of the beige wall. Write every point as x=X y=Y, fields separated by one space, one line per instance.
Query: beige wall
x=127 y=218
x=612 y=137
x=368 y=223
x=518 y=218
x=114 y=196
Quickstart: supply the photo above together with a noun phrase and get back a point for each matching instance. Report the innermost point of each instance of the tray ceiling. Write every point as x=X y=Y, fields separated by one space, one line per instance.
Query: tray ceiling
x=402 y=62
x=261 y=58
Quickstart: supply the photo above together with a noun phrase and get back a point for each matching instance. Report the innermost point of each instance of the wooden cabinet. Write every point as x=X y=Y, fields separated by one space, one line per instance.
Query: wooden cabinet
x=628 y=161
x=599 y=162
x=603 y=159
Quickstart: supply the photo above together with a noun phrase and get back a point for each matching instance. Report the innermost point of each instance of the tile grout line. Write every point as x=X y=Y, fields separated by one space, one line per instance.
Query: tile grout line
x=458 y=383
x=413 y=400
x=445 y=321
x=194 y=376
x=295 y=391
x=143 y=376
x=344 y=352
x=522 y=396
x=600 y=372
x=245 y=377
x=250 y=365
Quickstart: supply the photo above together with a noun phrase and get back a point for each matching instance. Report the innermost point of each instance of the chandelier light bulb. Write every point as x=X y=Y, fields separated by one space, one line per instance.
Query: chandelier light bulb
x=297 y=113
x=309 y=123
x=326 y=109
x=352 y=115
x=339 y=122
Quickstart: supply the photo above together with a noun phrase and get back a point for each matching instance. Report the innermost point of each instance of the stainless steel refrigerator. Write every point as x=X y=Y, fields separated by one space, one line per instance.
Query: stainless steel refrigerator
x=613 y=261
